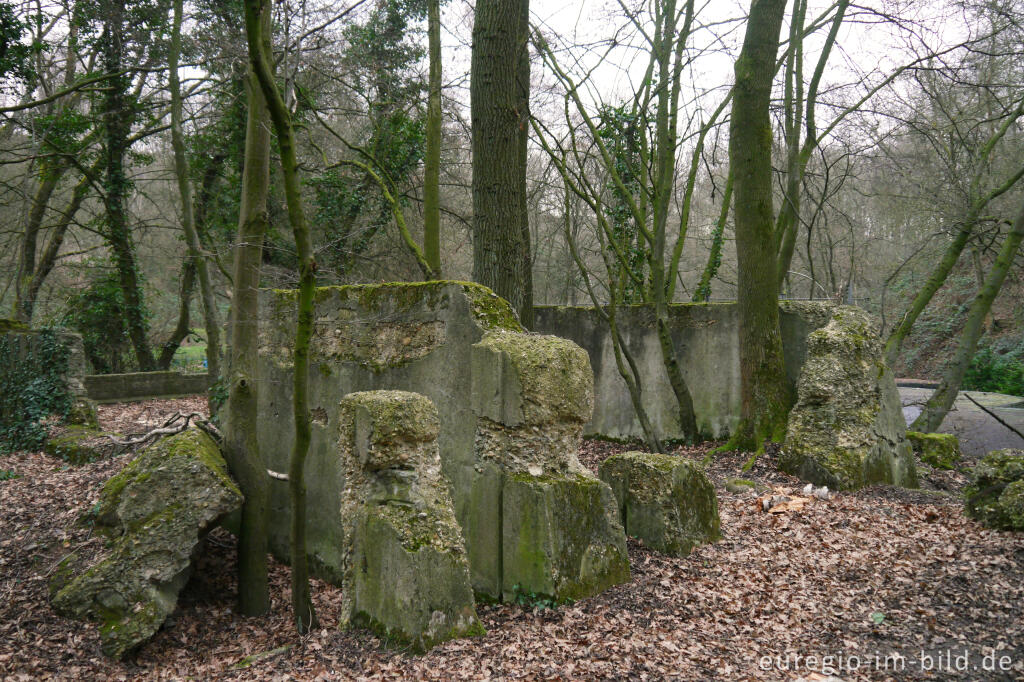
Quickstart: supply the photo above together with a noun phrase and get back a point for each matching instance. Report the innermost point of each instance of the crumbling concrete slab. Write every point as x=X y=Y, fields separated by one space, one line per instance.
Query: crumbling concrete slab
x=846 y=429
x=155 y=512
x=509 y=404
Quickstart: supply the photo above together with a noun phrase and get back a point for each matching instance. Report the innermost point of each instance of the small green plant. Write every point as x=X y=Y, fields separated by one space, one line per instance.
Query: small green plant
x=6 y=475
x=531 y=600
x=33 y=389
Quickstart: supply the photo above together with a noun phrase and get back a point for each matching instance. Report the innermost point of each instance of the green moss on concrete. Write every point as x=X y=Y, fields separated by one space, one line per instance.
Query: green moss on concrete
x=408 y=579
x=940 y=450
x=667 y=502
x=1012 y=502
x=846 y=429
x=561 y=538
x=154 y=512
x=79 y=445
x=555 y=382
x=393 y=416
x=996 y=493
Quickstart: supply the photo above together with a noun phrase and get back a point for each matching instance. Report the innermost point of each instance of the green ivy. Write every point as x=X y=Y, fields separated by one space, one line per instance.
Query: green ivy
x=32 y=388
x=989 y=371
x=99 y=314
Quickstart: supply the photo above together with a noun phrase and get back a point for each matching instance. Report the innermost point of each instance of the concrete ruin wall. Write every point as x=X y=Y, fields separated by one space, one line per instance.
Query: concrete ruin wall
x=705 y=336
x=139 y=385
x=511 y=410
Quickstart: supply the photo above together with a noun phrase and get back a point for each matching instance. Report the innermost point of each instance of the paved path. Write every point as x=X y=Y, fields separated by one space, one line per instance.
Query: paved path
x=978 y=431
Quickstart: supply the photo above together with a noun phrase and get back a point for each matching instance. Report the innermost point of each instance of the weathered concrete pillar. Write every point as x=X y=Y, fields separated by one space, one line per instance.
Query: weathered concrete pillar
x=539 y=523
x=404 y=570
x=847 y=429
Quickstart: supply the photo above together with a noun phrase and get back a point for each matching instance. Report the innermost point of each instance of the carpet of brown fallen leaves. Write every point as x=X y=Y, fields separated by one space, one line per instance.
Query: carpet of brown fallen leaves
x=858 y=578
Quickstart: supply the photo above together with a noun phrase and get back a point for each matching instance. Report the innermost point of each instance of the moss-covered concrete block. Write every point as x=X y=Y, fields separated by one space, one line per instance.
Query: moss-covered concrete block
x=407 y=583
x=405 y=572
x=667 y=502
x=155 y=512
x=79 y=444
x=561 y=539
x=940 y=450
x=847 y=429
x=536 y=380
x=995 y=496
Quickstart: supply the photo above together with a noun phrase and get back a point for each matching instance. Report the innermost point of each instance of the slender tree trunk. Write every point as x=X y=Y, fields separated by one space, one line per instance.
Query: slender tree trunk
x=23 y=304
x=117 y=117
x=240 y=438
x=432 y=160
x=183 y=326
x=938 y=405
x=765 y=399
x=48 y=259
x=261 y=56
x=499 y=99
x=935 y=281
x=188 y=223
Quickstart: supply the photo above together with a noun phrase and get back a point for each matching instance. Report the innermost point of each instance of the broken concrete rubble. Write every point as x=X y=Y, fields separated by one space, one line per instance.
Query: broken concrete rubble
x=155 y=514
x=511 y=410
x=667 y=502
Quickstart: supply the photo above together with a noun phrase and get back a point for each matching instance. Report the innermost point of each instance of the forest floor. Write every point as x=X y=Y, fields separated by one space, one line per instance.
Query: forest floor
x=879 y=584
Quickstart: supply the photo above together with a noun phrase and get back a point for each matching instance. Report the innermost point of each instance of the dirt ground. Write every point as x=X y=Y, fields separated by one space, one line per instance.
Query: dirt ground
x=878 y=584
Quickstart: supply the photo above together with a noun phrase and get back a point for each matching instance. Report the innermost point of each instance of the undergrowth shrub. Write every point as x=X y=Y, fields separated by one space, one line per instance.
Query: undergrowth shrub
x=32 y=388
x=990 y=371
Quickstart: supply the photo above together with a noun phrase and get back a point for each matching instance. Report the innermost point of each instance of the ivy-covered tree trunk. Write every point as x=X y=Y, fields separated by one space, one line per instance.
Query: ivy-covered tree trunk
x=952 y=378
x=240 y=437
x=24 y=304
x=117 y=118
x=499 y=100
x=188 y=222
x=432 y=158
x=260 y=55
x=765 y=399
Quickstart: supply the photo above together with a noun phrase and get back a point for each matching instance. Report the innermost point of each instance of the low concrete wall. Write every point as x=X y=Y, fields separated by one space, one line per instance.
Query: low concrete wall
x=108 y=388
x=706 y=341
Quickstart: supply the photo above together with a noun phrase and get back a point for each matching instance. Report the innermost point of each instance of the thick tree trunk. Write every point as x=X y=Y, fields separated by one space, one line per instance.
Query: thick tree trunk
x=261 y=56
x=117 y=118
x=188 y=223
x=499 y=100
x=938 y=405
x=240 y=438
x=765 y=399
x=432 y=160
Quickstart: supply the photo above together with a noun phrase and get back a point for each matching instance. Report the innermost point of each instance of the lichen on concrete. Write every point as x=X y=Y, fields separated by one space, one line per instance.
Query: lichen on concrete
x=155 y=513
x=940 y=450
x=995 y=496
x=667 y=502
x=405 y=572
x=846 y=429
x=561 y=538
